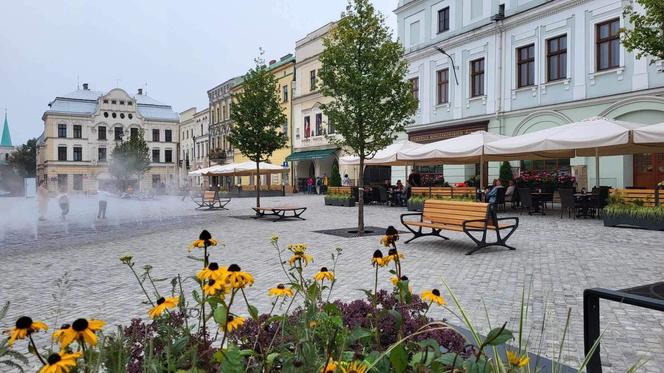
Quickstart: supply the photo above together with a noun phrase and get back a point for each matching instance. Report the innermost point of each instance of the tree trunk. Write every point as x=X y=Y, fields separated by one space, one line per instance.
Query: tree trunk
x=258 y=184
x=360 y=198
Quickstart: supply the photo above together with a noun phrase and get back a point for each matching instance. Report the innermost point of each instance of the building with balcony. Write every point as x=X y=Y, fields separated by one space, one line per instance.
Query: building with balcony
x=194 y=144
x=82 y=128
x=221 y=151
x=518 y=66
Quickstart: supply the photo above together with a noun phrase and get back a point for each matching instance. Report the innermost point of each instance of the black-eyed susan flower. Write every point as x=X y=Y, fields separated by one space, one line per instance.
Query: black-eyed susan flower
x=82 y=330
x=395 y=280
x=23 y=328
x=433 y=296
x=275 y=238
x=127 y=259
x=378 y=260
x=212 y=272
x=204 y=240
x=354 y=367
x=59 y=334
x=516 y=360
x=299 y=251
x=215 y=287
x=233 y=322
x=329 y=367
x=393 y=255
x=162 y=305
x=60 y=362
x=324 y=274
x=238 y=279
x=280 y=291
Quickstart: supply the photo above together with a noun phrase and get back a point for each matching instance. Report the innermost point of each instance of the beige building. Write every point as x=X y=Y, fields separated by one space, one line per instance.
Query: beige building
x=221 y=151
x=194 y=144
x=82 y=128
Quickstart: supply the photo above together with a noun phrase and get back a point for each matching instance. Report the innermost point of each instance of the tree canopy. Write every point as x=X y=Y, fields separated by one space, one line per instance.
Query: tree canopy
x=646 y=36
x=130 y=158
x=24 y=159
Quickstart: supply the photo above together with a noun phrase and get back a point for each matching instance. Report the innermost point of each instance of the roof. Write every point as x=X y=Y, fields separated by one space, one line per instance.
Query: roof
x=6 y=137
x=84 y=102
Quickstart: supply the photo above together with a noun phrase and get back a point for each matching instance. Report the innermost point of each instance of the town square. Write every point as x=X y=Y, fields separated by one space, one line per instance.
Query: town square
x=394 y=186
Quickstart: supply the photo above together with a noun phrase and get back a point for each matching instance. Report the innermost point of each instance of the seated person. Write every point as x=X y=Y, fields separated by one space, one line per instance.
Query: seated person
x=509 y=193
x=492 y=194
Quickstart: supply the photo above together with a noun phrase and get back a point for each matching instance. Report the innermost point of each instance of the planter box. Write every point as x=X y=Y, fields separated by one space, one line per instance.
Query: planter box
x=415 y=206
x=650 y=223
x=329 y=202
x=348 y=202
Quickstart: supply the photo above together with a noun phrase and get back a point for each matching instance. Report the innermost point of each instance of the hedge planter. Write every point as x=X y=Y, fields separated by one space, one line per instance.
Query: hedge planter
x=329 y=201
x=416 y=205
x=345 y=202
x=652 y=223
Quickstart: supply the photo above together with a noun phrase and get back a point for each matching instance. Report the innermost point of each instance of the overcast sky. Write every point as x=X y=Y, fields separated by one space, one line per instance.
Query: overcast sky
x=179 y=48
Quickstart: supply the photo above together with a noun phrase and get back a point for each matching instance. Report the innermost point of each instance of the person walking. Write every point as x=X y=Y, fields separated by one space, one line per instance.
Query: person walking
x=310 y=185
x=102 y=202
x=63 y=201
x=42 y=200
x=346 y=180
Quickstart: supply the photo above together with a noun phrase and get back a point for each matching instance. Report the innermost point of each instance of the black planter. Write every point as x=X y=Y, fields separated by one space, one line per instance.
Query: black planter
x=329 y=202
x=650 y=223
x=415 y=205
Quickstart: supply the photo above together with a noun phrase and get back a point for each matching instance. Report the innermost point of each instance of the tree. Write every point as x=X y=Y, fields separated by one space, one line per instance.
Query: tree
x=257 y=116
x=506 y=173
x=647 y=35
x=335 y=178
x=24 y=159
x=130 y=158
x=363 y=70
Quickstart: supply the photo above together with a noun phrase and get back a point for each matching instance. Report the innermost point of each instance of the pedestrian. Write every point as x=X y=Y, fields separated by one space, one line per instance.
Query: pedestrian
x=42 y=200
x=310 y=185
x=102 y=202
x=63 y=201
x=319 y=184
x=346 y=180
x=326 y=183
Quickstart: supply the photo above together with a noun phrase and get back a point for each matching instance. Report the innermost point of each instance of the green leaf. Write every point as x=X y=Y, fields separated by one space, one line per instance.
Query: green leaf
x=195 y=258
x=479 y=366
x=451 y=360
x=498 y=336
x=397 y=317
x=253 y=311
x=196 y=296
x=399 y=359
x=331 y=309
x=220 y=314
x=359 y=333
x=232 y=360
x=271 y=357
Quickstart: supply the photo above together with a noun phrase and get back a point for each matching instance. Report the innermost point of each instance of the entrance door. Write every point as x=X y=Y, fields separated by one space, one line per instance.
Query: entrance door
x=648 y=169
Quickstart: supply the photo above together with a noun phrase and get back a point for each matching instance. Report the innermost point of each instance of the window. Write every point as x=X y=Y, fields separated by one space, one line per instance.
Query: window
x=121 y=115
x=415 y=88
x=101 y=154
x=556 y=58
x=130 y=116
x=130 y=103
x=62 y=131
x=525 y=65
x=106 y=101
x=113 y=102
x=155 y=135
x=78 y=153
x=155 y=155
x=62 y=181
x=444 y=20
x=78 y=182
x=106 y=114
x=607 y=39
x=121 y=102
x=307 y=126
x=549 y=165
x=284 y=93
x=133 y=133
x=312 y=80
x=118 y=133
x=477 y=78
x=168 y=156
x=319 y=124
x=101 y=133
x=442 y=85
x=77 y=131
x=284 y=129
x=114 y=115
x=330 y=127
x=62 y=153
x=156 y=180
x=168 y=134
x=224 y=113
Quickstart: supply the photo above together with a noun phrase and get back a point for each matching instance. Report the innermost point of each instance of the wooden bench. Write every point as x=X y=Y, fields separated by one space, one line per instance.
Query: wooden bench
x=443 y=192
x=339 y=190
x=467 y=217
x=211 y=201
x=647 y=196
x=280 y=212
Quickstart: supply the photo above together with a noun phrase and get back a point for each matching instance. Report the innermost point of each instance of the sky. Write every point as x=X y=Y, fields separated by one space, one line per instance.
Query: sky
x=176 y=50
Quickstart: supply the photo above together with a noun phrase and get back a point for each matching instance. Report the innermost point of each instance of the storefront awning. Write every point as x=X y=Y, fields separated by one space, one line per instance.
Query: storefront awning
x=310 y=154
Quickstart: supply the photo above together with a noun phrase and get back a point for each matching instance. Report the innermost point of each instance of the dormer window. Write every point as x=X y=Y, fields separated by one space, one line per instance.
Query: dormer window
x=121 y=102
x=106 y=101
x=113 y=102
x=129 y=103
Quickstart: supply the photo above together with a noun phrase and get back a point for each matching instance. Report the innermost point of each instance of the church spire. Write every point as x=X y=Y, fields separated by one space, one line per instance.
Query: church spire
x=6 y=137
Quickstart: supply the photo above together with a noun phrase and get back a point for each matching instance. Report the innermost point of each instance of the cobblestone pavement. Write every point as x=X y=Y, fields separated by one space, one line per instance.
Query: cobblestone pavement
x=556 y=259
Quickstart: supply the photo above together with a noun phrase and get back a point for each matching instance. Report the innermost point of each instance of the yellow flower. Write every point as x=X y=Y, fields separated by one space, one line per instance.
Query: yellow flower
x=216 y=287
x=313 y=324
x=233 y=322
x=201 y=243
x=59 y=334
x=324 y=274
x=329 y=367
x=126 y=259
x=81 y=330
x=237 y=279
x=24 y=327
x=280 y=291
x=378 y=260
x=395 y=280
x=162 y=305
x=354 y=367
x=213 y=271
x=433 y=296
x=275 y=238
x=388 y=241
x=517 y=361
x=299 y=253
x=60 y=362
x=393 y=255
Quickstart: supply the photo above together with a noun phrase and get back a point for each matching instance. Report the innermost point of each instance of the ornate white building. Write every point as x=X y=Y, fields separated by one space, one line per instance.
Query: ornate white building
x=517 y=66
x=194 y=143
x=81 y=129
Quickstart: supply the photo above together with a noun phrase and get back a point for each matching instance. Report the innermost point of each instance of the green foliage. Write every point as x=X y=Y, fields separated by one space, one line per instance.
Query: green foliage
x=506 y=173
x=130 y=158
x=646 y=36
x=363 y=70
x=24 y=159
x=10 y=359
x=335 y=178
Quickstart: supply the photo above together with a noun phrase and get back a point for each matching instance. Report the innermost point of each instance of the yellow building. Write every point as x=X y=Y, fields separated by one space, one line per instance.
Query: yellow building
x=284 y=71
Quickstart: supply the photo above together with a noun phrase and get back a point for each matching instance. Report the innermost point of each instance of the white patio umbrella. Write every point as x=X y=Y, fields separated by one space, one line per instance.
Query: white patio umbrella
x=595 y=136
x=384 y=157
x=244 y=169
x=202 y=171
x=648 y=135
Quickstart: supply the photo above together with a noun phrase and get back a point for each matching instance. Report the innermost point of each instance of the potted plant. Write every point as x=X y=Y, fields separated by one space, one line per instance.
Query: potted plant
x=415 y=203
x=634 y=214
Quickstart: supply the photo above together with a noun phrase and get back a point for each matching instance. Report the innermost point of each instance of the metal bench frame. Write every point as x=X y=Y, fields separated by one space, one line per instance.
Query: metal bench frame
x=216 y=203
x=279 y=212
x=469 y=230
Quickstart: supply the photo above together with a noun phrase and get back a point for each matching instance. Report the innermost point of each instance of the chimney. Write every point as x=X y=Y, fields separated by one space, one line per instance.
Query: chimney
x=140 y=91
x=273 y=62
x=85 y=86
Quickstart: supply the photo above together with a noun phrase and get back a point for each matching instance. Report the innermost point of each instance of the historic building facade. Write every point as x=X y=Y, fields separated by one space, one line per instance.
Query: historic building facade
x=194 y=144
x=518 y=66
x=82 y=128
x=221 y=151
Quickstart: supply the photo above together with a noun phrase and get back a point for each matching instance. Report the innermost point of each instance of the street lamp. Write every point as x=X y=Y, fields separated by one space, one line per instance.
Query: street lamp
x=441 y=50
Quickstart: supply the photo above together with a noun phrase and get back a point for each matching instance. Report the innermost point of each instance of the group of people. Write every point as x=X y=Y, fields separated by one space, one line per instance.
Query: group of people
x=63 y=202
x=318 y=185
x=492 y=192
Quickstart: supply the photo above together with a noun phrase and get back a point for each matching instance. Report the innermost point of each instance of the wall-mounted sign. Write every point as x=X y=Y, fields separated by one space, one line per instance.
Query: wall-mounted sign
x=443 y=133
